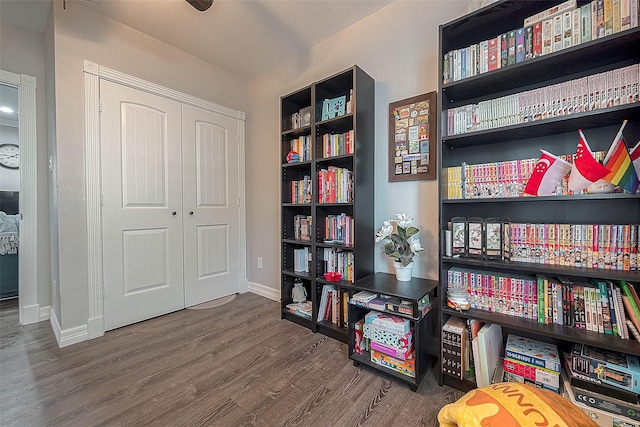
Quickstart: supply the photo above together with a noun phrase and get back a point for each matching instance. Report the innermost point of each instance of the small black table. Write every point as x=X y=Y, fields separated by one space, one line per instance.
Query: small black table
x=424 y=325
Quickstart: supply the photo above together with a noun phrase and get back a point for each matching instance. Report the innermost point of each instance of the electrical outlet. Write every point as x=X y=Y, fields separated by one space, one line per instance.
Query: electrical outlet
x=259 y=262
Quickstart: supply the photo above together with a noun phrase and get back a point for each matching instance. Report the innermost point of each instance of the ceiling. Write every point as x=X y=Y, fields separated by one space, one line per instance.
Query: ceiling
x=244 y=37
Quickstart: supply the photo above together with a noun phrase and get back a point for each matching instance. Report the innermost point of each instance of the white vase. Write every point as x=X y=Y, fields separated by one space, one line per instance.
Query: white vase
x=403 y=274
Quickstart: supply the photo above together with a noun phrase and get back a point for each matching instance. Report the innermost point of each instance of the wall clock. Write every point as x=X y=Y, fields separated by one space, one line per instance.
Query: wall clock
x=10 y=156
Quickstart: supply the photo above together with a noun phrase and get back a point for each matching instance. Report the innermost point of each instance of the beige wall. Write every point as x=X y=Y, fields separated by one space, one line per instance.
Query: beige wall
x=81 y=34
x=398 y=47
x=22 y=52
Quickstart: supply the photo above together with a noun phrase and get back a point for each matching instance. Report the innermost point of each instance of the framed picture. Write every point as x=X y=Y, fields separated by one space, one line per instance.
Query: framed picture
x=332 y=108
x=475 y=238
x=459 y=236
x=412 y=138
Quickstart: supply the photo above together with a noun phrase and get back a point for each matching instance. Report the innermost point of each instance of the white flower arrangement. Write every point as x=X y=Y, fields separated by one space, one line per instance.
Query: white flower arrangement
x=400 y=245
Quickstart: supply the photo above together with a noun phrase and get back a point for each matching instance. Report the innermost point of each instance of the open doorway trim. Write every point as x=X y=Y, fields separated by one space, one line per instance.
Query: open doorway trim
x=28 y=252
x=92 y=75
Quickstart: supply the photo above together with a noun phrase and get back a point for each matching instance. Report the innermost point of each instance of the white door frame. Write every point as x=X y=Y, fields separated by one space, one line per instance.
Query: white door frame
x=92 y=74
x=28 y=199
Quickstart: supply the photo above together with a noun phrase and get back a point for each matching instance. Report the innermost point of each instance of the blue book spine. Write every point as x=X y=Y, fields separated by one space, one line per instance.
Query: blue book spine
x=463 y=63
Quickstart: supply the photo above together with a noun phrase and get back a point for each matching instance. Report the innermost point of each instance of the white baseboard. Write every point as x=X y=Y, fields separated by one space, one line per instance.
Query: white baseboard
x=45 y=312
x=95 y=327
x=68 y=336
x=30 y=314
x=265 y=291
x=55 y=325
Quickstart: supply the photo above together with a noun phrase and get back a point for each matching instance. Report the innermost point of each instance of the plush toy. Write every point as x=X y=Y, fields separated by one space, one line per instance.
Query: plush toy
x=293 y=157
x=299 y=293
x=512 y=405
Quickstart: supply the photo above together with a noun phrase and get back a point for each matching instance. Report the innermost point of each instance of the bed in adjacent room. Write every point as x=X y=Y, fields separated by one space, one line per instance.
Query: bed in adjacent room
x=9 y=242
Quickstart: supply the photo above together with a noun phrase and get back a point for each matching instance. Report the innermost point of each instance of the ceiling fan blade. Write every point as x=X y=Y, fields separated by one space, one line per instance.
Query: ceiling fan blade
x=201 y=5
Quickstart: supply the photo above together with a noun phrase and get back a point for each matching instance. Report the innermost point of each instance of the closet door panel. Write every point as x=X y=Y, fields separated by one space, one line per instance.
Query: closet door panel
x=142 y=211
x=211 y=205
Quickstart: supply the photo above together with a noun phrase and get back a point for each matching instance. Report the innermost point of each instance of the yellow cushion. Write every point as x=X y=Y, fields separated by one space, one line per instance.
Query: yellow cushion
x=512 y=405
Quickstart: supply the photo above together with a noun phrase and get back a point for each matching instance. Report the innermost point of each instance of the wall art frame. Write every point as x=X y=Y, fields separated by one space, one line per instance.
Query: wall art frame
x=412 y=138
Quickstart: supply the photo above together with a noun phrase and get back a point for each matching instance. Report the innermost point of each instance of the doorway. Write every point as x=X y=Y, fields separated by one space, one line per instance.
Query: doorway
x=9 y=191
x=29 y=308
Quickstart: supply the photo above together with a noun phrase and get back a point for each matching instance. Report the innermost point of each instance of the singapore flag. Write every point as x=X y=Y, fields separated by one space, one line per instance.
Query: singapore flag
x=586 y=169
x=548 y=172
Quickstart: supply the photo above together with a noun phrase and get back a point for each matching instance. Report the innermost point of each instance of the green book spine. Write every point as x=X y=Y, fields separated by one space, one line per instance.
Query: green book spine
x=625 y=288
x=542 y=309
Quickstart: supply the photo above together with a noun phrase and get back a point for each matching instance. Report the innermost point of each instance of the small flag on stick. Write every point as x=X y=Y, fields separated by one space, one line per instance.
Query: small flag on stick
x=619 y=163
x=548 y=171
x=586 y=169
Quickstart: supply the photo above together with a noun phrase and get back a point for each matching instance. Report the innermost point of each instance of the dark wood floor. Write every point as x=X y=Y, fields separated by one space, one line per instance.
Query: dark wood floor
x=234 y=365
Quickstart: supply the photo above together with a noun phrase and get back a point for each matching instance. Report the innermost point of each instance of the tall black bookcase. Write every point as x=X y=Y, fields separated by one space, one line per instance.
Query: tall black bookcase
x=358 y=88
x=558 y=135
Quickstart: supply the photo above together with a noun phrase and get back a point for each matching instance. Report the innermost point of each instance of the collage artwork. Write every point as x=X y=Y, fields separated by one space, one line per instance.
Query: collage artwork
x=412 y=138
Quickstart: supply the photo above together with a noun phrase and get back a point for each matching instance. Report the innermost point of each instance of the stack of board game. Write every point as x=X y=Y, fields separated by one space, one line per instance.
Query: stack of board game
x=531 y=361
x=604 y=384
x=362 y=298
x=454 y=347
x=391 y=342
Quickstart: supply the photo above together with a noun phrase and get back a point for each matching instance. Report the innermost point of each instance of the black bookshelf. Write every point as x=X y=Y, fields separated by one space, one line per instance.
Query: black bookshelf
x=520 y=141
x=357 y=85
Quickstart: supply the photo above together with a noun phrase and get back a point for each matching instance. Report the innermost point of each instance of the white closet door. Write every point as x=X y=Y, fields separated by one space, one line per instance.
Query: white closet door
x=142 y=212
x=211 y=205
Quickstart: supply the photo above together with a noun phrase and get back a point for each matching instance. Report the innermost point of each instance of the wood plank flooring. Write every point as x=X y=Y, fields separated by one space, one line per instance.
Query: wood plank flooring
x=233 y=365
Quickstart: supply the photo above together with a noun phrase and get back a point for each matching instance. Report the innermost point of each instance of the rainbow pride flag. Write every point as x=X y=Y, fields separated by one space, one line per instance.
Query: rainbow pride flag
x=618 y=161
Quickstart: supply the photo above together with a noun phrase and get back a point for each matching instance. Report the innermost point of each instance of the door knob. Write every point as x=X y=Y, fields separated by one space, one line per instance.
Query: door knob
x=173 y=213
x=191 y=213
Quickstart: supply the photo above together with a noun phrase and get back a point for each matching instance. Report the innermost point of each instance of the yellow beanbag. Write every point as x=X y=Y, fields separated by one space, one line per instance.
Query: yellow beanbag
x=512 y=405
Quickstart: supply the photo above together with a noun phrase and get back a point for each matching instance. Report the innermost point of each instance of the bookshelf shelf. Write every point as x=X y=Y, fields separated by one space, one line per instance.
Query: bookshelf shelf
x=457 y=383
x=334 y=204
x=304 y=130
x=298 y=242
x=554 y=331
x=354 y=84
x=334 y=245
x=296 y=164
x=296 y=319
x=547 y=127
x=340 y=284
x=336 y=121
x=558 y=135
x=532 y=268
x=574 y=62
x=334 y=158
x=300 y=274
x=562 y=199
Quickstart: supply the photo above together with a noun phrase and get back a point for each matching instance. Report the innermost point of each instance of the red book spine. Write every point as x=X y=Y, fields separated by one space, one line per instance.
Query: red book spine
x=332 y=187
x=492 y=54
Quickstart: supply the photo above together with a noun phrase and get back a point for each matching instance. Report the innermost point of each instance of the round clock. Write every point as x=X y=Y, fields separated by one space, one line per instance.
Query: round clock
x=10 y=156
